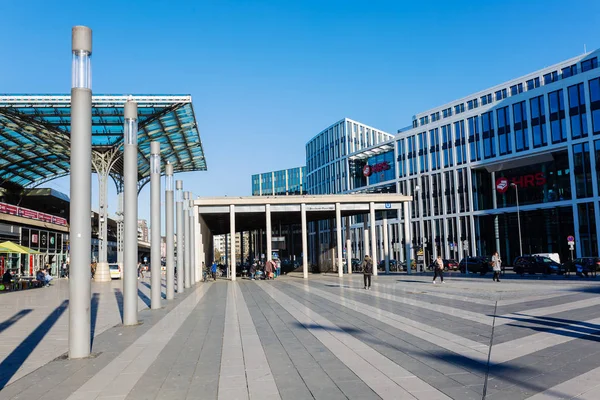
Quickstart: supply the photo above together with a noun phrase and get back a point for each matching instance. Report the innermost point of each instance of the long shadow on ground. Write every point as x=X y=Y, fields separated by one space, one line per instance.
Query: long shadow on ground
x=11 y=364
x=12 y=320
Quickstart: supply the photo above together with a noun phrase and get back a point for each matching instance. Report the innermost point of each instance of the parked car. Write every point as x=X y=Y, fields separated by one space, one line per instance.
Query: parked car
x=449 y=265
x=356 y=265
x=583 y=265
x=481 y=265
x=536 y=265
x=393 y=265
x=552 y=256
x=115 y=271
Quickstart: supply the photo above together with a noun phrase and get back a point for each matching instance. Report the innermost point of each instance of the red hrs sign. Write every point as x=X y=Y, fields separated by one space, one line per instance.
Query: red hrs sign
x=524 y=181
x=368 y=170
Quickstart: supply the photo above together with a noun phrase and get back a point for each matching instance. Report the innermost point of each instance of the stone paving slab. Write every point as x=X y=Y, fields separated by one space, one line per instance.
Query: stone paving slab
x=321 y=339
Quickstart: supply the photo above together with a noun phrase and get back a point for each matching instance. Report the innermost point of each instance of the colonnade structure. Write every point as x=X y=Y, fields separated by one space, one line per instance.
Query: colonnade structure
x=229 y=215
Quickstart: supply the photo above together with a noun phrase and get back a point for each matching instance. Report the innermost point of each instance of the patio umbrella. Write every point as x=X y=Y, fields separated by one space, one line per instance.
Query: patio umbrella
x=11 y=247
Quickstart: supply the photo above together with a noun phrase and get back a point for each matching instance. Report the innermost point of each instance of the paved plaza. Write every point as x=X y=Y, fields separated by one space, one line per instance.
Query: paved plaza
x=325 y=338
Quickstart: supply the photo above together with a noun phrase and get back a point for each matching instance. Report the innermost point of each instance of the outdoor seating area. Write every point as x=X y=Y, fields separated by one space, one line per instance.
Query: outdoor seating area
x=17 y=267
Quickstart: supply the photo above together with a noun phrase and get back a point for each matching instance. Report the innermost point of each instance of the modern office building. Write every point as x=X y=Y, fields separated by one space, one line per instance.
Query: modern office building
x=290 y=181
x=465 y=163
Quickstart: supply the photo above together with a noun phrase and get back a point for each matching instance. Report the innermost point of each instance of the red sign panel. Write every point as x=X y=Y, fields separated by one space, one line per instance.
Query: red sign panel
x=524 y=181
x=368 y=170
x=31 y=214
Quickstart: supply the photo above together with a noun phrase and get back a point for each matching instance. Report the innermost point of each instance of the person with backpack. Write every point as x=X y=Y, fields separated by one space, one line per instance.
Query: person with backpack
x=496 y=263
x=367 y=267
x=438 y=268
x=213 y=270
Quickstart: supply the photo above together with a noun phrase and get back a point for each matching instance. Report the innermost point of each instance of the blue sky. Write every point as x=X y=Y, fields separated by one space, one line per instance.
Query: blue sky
x=266 y=76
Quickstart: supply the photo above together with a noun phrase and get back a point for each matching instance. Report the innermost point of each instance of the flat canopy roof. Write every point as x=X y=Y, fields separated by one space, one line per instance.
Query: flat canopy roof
x=35 y=134
x=250 y=211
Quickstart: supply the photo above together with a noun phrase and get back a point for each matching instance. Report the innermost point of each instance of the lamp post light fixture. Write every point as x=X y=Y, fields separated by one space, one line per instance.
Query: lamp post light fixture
x=518 y=218
x=130 y=213
x=80 y=232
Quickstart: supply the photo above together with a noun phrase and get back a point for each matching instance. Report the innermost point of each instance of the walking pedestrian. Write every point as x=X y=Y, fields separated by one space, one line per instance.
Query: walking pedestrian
x=140 y=270
x=438 y=269
x=496 y=266
x=252 y=270
x=213 y=270
x=367 y=267
x=269 y=267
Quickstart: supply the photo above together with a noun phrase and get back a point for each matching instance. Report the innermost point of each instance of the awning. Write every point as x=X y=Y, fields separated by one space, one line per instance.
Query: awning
x=11 y=247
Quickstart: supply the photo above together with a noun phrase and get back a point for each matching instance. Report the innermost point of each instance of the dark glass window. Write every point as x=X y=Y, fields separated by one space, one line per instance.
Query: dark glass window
x=415 y=123
x=516 y=89
x=435 y=116
x=503 y=128
x=569 y=71
x=459 y=108
x=401 y=158
x=423 y=164
x=434 y=149
x=558 y=124
x=473 y=124
x=447 y=112
x=500 y=94
x=520 y=120
x=577 y=111
x=471 y=104
x=538 y=121
x=462 y=190
x=550 y=77
x=597 y=157
x=437 y=193
x=412 y=155
x=587 y=230
x=582 y=170
x=486 y=99
x=533 y=83
x=449 y=192
x=489 y=145
x=589 y=64
x=460 y=142
x=595 y=104
x=447 y=146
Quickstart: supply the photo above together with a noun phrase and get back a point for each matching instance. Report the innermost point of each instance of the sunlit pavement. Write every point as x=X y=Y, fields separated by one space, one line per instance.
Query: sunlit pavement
x=327 y=338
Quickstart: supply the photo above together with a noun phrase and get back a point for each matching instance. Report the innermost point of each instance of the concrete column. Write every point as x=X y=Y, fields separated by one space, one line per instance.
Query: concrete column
x=232 y=238
x=169 y=216
x=180 y=239
x=199 y=239
x=192 y=243
x=130 y=213
x=373 y=236
x=186 y=242
x=348 y=246
x=269 y=232
x=80 y=232
x=155 y=224
x=338 y=239
x=365 y=246
x=304 y=241
x=242 y=247
x=102 y=273
x=386 y=243
x=407 y=237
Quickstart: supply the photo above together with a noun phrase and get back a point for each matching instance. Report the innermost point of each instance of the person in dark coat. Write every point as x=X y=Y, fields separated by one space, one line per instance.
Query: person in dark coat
x=367 y=267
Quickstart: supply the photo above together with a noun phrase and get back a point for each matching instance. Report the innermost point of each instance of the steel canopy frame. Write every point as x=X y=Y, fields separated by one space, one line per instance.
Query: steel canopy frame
x=35 y=135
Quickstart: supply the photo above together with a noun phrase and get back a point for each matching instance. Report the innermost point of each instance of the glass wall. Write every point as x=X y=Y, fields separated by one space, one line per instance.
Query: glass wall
x=382 y=168
x=595 y=104
x=520 y=121
x=538 y=121
x=558 y=125
x=583 y=170
x=577 y=111
x=489 y=142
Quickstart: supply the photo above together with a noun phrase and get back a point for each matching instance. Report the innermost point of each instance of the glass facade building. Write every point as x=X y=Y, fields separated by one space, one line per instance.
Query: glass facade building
x=280 y=183
x=463 y=163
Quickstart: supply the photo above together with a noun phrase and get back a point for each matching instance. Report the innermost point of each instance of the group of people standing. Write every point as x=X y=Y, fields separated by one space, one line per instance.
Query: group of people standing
x=270 y=269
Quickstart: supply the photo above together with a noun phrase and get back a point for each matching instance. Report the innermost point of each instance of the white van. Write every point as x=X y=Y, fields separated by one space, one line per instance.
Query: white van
x=552 y=256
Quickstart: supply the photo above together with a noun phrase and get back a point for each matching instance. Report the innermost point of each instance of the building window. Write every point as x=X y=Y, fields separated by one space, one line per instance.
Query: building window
x=449 y=192
x=436 y=194
x=401 y=159
x=462 y=190
x=447 y=112
x=412 y=155
x=520 y=120
x=577 y=111
x=486 y=99
x=587 y=230
x=589 y=64
x=472 y=104
x=550 y=77
x=423 y=164
x=415 y=123
x=533 y=83
x=516 y=89
x=473 y=124
x=595 y=104
x=500 y=94
x=460 y=142
x=489 y=145
x=569 y=71
x=538 y=121
x=434 y=149
x=447 y=146
x=597 y=158
x=582 y=170
x=503 y=127
x=558 y=124
x=435 y=116
x=459 y=108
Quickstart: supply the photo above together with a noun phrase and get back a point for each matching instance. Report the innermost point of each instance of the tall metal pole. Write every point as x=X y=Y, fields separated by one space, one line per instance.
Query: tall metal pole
x=338 y=232
x=169 y=214
x=304 y=241
x=180 y=244
x=192 y=242
x=155 y=224
x=373 y=232
x=518 y=219
x=130 y=214
x=80 y=233
x=186 y=241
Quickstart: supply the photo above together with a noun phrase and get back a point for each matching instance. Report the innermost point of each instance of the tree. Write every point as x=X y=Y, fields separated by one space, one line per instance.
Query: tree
x=217 y=255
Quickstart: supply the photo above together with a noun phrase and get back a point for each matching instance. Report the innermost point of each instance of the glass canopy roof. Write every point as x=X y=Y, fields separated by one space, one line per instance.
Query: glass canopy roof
x=35 y=135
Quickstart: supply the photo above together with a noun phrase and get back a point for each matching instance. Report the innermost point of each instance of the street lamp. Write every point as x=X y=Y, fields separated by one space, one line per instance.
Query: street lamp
x=518 y=217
